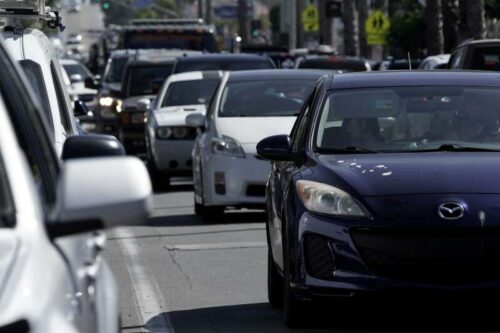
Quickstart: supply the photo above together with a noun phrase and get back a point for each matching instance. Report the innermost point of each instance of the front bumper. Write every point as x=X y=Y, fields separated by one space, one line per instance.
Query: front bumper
x=173 y=156
x=233 y=181
x=359 y=262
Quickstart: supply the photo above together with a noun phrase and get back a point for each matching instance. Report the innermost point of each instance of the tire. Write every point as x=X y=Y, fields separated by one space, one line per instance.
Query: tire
x=274 y=283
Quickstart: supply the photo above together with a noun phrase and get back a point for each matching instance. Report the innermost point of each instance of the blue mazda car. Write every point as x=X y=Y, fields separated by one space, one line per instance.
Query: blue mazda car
x=388 y=184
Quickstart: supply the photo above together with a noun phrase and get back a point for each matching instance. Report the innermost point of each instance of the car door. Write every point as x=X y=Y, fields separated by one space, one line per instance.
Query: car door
x=78 y=253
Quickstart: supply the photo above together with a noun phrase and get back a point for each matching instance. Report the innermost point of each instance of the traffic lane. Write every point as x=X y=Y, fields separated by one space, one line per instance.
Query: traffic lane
x=212 y=278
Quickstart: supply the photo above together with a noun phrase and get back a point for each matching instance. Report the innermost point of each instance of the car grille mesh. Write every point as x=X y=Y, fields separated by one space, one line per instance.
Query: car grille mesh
x=318 y=257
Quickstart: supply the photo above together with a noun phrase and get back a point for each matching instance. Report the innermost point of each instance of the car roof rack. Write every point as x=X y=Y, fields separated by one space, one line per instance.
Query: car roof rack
x=18 y=10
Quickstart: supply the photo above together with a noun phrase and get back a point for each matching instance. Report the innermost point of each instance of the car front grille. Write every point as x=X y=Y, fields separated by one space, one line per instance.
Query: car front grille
x=444 y=258
x=319 y=259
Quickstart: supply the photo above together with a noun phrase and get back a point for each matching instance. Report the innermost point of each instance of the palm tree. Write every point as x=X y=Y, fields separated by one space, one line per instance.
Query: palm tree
x=362 y=6
x=476 y=21
x=350 y=17
x=434 y=27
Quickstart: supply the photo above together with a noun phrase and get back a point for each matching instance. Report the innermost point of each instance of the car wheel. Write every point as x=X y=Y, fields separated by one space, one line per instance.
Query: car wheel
x=274 y=283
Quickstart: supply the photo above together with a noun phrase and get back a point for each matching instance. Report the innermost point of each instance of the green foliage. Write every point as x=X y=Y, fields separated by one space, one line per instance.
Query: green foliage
x=407 y=28
x=492 y=8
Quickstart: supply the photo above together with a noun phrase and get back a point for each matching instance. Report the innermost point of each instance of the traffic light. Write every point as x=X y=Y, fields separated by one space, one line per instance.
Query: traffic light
x=105 y=5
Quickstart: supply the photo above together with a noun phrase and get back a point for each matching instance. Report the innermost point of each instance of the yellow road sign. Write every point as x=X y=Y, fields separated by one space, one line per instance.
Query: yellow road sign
x=377 y=28
x=310 y=18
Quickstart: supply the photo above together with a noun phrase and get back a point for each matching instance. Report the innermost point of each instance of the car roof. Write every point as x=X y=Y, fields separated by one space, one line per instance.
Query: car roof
x=222 y=57
x=276 y=74
x=194 y=76
x=480 y=42
x=414 y=78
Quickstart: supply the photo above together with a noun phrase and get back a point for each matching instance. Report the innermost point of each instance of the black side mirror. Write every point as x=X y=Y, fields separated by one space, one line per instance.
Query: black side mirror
x=156 y=85
x=93 y=145
x=92 y=83
x=80 y=109
x=275 y=148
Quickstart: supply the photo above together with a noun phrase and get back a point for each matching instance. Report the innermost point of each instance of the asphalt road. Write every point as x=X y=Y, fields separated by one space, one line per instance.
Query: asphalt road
x=180 y=275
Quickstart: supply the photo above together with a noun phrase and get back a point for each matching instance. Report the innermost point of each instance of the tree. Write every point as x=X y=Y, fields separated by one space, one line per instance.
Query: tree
x=476 y=22
x=362 y=7
x=451 y=20
x=407 y=25
x=350 y=17
x=434 y=27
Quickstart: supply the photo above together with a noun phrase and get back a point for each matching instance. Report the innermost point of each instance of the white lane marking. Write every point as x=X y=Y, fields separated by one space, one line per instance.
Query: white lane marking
x=147 y=292
x=215 y=246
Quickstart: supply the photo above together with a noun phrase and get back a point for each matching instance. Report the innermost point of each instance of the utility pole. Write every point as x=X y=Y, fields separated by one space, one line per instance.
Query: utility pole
x=299 y=8
x=208 y=11
x=325 y=24
x=350 y=16
x=243 y=20
x=434 y=27
x=293 y=25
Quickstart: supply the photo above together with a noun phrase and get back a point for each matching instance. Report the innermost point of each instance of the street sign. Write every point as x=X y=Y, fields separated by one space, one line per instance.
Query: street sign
x=310 y=18
x=377 y=28
x=333 y=8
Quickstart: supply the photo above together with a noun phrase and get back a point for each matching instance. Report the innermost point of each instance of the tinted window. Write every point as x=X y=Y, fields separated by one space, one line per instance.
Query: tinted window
x=77 y=70
x=486 y=59
x=61 y=102
x=169 y=39
x=264 y=98
x=141 y=77
x=228 y=65
x=116 y=70
x=34 y=74
x=190 y=92
x=411 y=118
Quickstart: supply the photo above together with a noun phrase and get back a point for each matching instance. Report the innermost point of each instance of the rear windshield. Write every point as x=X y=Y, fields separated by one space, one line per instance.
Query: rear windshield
x=486 y=59
x=190 y=92
x=270 y=98
x=116 y=70
x=169 y=39
x=77 y=69
x=141 y=77
x=334 y=64
x=227 y=65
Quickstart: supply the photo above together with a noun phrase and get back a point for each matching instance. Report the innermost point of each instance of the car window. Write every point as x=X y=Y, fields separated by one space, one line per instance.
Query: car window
x=116 y=70
x=190 y=92
x=486 y=58
x=7 y=208
x=61 y=102
x=456 y=58
x=76 y=69
x=264 y=98
x=33 y=72
x=229 y=65
x=410 y=119
x=141 y=77
x=300 y=126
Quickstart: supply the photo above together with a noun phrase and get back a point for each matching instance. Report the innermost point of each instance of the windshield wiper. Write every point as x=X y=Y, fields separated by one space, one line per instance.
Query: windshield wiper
x=350 y=150
x=459 y=148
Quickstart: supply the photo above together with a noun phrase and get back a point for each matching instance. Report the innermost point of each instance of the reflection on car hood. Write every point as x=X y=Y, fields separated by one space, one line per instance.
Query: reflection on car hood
x=250 y=130
x=176 y=115
x=417 y=173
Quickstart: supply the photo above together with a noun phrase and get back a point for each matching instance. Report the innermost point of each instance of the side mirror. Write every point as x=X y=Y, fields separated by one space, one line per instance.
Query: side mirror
x=196 y=120
x=92 y=145
x=156 y=85
x=144 y=104
x=76 y=78
x=80 y=109
x=118 y=193
x=275 y=148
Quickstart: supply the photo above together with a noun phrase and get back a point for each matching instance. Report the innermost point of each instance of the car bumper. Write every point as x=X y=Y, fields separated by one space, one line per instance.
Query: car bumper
x=173 y=156
x=237 y=182
x=334 y=260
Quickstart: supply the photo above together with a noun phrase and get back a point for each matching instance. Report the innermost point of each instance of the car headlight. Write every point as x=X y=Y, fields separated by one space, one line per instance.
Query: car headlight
x=326 y=199
x=227 y=146
x=119 y=105
x=106 y=101
x=163 y=133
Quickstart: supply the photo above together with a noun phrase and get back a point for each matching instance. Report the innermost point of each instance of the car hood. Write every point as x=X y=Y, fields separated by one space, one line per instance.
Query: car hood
x=176 y=115
x=417 y=173
x=250 y=130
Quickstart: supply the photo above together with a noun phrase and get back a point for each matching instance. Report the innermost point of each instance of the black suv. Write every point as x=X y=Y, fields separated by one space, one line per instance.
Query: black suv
x=477 y=55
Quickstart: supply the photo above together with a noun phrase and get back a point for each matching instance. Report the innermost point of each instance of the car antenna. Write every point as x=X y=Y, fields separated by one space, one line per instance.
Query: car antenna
x=409 y=60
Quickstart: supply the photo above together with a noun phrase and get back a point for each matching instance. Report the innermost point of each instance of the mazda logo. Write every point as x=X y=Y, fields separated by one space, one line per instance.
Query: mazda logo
x=451 y=211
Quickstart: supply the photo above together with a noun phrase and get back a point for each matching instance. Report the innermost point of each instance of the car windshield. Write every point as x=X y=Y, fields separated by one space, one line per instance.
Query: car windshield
x=410 y=119
x=190 y=92
x=116 y=70
x=141 y=78
x=76 y=69
x=264 y=98
x=229 y=65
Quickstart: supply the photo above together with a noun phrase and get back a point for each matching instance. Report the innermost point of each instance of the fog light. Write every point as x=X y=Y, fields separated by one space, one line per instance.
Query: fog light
x=220 y=183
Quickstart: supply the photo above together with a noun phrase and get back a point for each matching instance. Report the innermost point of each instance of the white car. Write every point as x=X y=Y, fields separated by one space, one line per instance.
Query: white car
x=48 y=281
x=78 y=76
x=435 y=62
x=37 y=57
x=169 y=139
x=247 y=107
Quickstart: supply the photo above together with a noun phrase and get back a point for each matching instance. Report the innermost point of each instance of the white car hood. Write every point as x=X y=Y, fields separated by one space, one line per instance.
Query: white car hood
x=176 y=115
x=250 y=130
